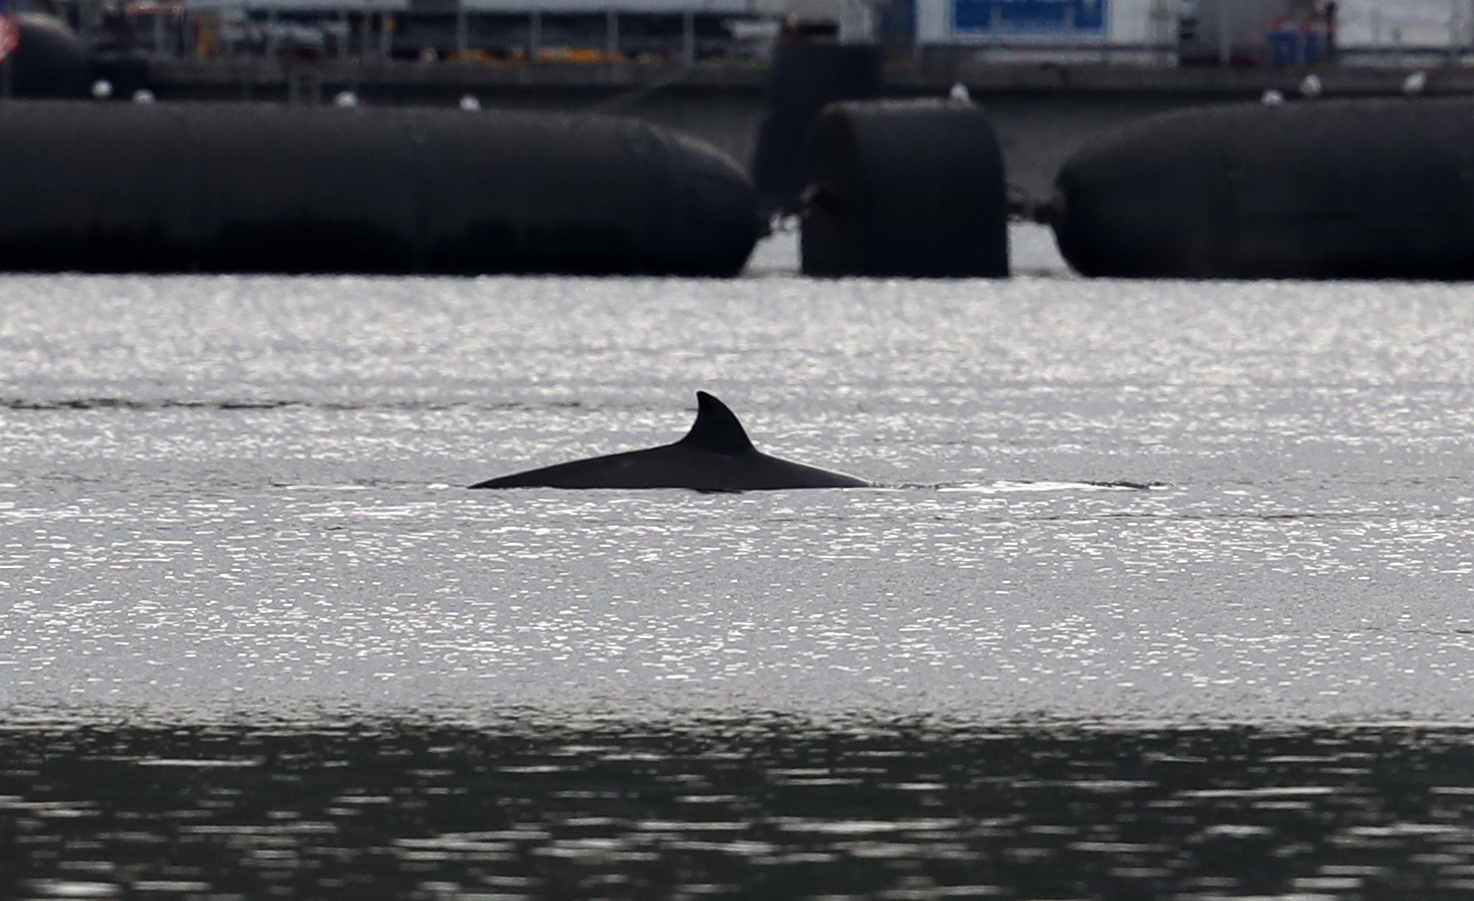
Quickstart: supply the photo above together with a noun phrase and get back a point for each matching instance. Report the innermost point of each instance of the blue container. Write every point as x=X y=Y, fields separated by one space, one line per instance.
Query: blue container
x=1297 y=46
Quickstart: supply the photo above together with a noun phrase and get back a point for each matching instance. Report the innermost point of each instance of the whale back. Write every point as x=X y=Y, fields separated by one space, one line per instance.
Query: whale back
x=716 y=455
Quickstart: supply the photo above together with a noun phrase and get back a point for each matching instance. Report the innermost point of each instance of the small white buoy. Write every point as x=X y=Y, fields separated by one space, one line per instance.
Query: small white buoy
x=470 y=104
x=143 y=95
x=1415 y=83
x=959 y=92
x=1310 y=87
x=1272 y=98
x=102 y=89
x=345 y=100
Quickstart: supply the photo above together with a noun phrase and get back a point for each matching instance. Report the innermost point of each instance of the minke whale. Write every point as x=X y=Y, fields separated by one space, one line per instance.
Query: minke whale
x=716 y=455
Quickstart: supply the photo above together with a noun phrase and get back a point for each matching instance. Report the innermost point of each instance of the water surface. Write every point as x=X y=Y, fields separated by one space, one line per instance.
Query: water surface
x=1217 y=521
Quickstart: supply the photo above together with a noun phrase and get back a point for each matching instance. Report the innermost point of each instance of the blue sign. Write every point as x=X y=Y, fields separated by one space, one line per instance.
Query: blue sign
x=1030 y=17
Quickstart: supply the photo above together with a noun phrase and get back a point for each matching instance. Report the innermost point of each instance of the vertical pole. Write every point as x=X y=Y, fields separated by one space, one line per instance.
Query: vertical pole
x=688 y=37
x=916 y=30
x=271 y=31
x=611 y=34
x=1454 y=27
x=463 y=30
x=85 y=28
x=159 y=49
x=1169 y=32
x=1455 y=31
x=534 y=35
x=1225 y=40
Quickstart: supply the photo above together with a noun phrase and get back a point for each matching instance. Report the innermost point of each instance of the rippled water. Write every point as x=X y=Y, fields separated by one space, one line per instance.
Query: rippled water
x=762 y=808
x=1221 y=521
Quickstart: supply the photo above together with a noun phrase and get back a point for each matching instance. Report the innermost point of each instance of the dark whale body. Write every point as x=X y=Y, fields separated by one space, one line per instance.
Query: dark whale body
x=716 y=455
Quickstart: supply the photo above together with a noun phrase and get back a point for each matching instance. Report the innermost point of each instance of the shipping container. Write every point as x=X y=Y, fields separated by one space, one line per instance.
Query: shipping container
x=1257 y=32
x=1065 y=28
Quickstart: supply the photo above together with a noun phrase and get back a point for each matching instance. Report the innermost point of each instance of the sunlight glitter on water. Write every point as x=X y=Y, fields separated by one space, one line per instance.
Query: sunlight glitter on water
x=1104 y=499
x=1167 y=593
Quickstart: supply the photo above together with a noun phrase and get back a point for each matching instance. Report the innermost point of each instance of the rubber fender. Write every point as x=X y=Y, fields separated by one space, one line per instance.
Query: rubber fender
x=50 y=60
x=906 y=188
x=1364 y=188
x=805 y=79
x=121 y=187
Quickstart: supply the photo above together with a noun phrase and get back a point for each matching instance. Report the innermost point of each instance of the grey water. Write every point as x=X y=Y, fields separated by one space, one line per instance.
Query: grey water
x=1163 y=591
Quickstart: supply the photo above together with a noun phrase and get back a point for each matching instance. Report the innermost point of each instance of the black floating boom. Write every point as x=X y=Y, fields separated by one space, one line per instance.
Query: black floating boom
x=263 y=188
x=806 y=77
x=906 y=188
x=1329 y=189
x=50 y=62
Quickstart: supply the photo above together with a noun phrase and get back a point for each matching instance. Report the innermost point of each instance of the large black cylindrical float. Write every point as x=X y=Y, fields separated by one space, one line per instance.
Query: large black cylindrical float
x=266 y=188
x=806 y=77
x=1380 y=188
x=50 y=61
x=906 y=188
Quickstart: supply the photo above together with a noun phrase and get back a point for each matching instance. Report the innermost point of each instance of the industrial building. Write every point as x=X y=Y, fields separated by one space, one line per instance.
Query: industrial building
x=1240 y=33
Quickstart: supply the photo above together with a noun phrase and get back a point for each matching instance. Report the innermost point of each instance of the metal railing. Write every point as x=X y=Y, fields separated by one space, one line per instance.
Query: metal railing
x=454 y=32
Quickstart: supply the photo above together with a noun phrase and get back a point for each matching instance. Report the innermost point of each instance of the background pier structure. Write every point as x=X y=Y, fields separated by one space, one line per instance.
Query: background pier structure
x=1225 y=33
x=1052 y=75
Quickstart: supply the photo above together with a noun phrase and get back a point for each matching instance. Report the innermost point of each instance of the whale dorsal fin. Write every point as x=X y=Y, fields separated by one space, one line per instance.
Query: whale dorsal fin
x=716 y=429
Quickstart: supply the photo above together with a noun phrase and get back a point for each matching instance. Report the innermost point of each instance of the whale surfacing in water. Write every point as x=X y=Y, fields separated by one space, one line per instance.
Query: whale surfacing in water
x=716 y=455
